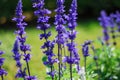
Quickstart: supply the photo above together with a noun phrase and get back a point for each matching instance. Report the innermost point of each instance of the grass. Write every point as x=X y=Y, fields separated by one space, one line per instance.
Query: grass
x=89 y=31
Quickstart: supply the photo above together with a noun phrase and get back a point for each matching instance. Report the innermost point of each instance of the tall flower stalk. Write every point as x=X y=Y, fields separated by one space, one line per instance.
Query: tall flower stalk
x=2 y=71
x=104 y=22
x=85 y=51
x=21 y=37
x=17 y=57
x=73 y=58
x=60 y=28
x=112 y=26
x=43 y=25
x=118 y=20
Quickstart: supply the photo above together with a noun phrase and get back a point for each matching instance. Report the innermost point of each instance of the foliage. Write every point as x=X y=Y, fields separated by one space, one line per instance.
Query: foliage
x=108 y=62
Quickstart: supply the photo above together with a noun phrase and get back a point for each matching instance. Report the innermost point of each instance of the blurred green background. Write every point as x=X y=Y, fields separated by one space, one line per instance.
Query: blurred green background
x=88 y=29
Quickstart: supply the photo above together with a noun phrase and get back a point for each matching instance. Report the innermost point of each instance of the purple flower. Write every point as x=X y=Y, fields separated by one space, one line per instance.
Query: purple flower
x=42 y=19
x=21 y=39
x=59 y=22
x=1 y=53
x=43 y=25
x=85 y=48
x=2 y=71
x=85 y=51
x=104 y=22
x=104 y=19
x=71 y=20
x=72 y=35
x=46 y=36
x=72 y=16
x=112 y=26
x=21 y=73
x=118 y=20
x=52 y=73
x=1 y=61
x=112 y=23
x=30 y=78
x=61 y=31
x=71 y=46
x=25 y=48
x=71 y=24
x=17 y=55
x=27 y=57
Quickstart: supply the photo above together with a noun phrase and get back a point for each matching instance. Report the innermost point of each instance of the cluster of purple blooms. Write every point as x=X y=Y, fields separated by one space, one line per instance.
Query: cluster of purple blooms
x=85 y=51
x=85 y=48
x=20 y=48
x=71 y=24
x=64 y=36
x=110 y=24
x=43 y=25
x=61 y=30
x=2 y=71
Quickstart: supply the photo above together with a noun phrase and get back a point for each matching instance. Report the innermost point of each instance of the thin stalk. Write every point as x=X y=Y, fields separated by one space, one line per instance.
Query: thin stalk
x=28 y=68
x=71 y=72
x=27 y=64
x=71 y=63
x=48 y=49
x=51 y=72
x=59 y=65
x=61 y=58
x=2 y=78
x=64 y=52
x=85 y=64
x=71 y=59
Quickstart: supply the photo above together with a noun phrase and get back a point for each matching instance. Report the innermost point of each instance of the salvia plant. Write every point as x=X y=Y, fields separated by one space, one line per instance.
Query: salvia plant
x=65 y=63
x=110 y=25
x=73 y=57
x=20 y=48
x=61 y=31
x=43 y=25
x=2 y=71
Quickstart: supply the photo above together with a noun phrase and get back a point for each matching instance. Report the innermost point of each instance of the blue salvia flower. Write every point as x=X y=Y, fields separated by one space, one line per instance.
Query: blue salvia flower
x=85 y=48
x=42 y=24
x=25 y=48
x=71 y=19
x=17 y=57
x=85 y=51
x=59 y=22
x=112 y=25
x=61 y=31
x=2 y=71
x=30 y=78
x=104 y=22
x=118 y=20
